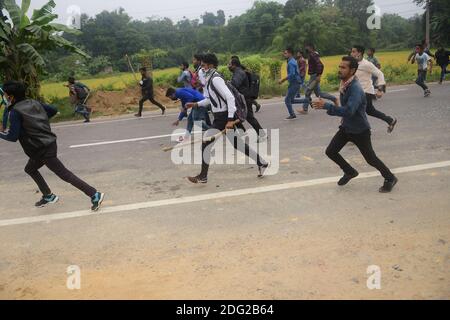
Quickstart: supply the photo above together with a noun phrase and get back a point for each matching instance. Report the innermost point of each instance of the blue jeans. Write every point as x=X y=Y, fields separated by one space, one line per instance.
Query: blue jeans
x=198 y=114
x=421 y=78
x=444 y=71
x=314 y=86
x=293 y=89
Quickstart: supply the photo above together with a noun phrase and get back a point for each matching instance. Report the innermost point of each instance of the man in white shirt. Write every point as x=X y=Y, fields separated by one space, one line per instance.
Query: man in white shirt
x=223 y=106
x=422 y=59
x=365 y=74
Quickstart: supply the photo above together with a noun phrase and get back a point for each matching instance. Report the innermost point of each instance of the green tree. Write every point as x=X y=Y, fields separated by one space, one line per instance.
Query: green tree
x=24 y=39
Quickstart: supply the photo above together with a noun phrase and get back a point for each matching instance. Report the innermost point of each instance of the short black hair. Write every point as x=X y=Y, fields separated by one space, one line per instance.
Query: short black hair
x=353 y=62
x=290 y=50
x=310 y=45
x=360 y=48
x=419 y=45
x=198 y=56
x=15 y=88
x=211 y=58
x=301 y=52
x=235 y=62
x=185 y=64
x=170 y=92
x=143 y=69
x=71 y=80
x=372 y=49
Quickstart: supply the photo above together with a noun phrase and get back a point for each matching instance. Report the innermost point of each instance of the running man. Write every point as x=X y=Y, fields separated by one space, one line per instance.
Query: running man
x=185 y=77
x=79 y=93
x=442 y=59
x=29 y=123
x=147 y=92
x=223 y=107
x=294 y=80
x=354 y=128
x=254 y=101
x=423 y=60
x=366 y=72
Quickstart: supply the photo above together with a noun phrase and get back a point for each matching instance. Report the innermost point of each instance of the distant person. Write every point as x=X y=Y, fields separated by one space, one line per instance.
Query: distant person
x=187 y=95
x=201 y=80
x=254 y=101
x=147 y=92
x=442 y=59
x=185 y=77
x=426 y=48
x=315 y=71
x=423 y=60
x=354 y=126
x=371 y=57
x=365 y=74
x=301 y=61
x=294 y=80
x=29 y=123
x=79 y=93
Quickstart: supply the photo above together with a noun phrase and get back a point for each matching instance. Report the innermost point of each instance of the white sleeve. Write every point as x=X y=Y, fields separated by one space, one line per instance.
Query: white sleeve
x=204 y=103
x=223 y=90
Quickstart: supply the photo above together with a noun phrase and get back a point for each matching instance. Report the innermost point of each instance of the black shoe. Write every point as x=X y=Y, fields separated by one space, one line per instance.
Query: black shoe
x=291 y=118
x=87 y=121
x=138 y=115
x=47 y=200
x=258 y=107
x=388 y=185
x=163 y=111
x=347 y=177
x=262 y=169
x=392 y=126
x=97 y=200
x=197 y=180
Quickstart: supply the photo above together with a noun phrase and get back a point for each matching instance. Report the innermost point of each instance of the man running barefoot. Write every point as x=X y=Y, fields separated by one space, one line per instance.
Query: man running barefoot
x=355 y=127
x=29 y=123
x=367 y=71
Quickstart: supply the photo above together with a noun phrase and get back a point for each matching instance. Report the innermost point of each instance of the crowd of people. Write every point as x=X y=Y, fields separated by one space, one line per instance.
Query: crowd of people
x=205 y=91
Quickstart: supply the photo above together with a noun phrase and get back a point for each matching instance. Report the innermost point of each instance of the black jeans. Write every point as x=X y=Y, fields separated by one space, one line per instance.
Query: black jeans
x=371 y=111
x=251 y=117
x=219 y=124
x=151 y=99
x=55 y=165
x=364 y=144
x=421 y=78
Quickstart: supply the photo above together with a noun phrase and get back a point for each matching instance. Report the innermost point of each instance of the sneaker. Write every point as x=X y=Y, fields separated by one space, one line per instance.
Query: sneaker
x=258 y=107
x=138 y=115
x=347 y=177
x=291 y=118
x=197 y=180
x=97 y=200
x=388 y=185
x=51 y=199
x=427 y=93
x=262 y=169
x=392 y=126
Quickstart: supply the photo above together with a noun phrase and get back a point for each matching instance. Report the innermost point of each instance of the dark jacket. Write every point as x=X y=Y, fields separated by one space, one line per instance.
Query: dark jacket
x=147 y=86
x=442 y=57
x=240 y=82
x=353 y=109
x=315 y=66
x=31 y=126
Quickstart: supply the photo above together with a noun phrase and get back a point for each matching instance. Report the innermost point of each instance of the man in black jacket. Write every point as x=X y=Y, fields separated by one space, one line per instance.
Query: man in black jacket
x=147 y=93
x=241 y=82
x=29 y=123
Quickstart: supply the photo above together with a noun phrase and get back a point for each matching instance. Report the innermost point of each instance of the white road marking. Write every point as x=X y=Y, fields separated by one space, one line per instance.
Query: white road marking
x=210 y=196
x=399 y=90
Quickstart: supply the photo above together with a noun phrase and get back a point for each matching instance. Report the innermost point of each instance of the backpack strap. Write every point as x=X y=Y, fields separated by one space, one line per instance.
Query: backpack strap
x=213 y=88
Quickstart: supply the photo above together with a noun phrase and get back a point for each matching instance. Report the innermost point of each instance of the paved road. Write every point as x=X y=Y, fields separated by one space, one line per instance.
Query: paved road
x=295 y=235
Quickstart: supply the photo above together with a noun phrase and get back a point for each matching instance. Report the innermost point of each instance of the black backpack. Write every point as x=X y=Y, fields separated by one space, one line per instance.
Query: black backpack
x=254 y=83
x=241 y=104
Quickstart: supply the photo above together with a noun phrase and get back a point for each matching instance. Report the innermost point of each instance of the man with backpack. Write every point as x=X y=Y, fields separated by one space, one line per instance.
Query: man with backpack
x=29 y=123
x=147 y=93
x=228 y=106
x=79 y=94
x=255 y=82
x=241 y=80
x=186 y=77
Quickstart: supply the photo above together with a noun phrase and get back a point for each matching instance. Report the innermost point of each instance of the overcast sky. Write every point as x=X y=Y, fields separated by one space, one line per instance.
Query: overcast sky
x=177 y=9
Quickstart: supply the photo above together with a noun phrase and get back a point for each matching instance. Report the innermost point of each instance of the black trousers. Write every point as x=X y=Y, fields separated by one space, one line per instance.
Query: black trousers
x=220 y=124
x=251 y=117
x=151 y=99
x=55 y=165
x=364 y=144
x=371 y=111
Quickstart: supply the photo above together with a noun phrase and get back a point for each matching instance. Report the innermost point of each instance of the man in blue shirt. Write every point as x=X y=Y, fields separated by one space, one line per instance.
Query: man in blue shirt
x=30 y=125
x=355 y=127
x=295 y=81
x=186 y=95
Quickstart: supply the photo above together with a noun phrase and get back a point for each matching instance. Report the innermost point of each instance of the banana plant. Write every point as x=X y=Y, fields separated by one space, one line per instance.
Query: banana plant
x=24 y=39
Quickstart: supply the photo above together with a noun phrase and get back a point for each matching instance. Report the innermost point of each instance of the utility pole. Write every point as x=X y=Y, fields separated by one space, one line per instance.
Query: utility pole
x=427 y=24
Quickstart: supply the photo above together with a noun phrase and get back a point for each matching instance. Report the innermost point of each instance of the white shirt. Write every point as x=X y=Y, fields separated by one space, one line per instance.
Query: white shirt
x=367 y=70
x=228 y=103
x=422 y=61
